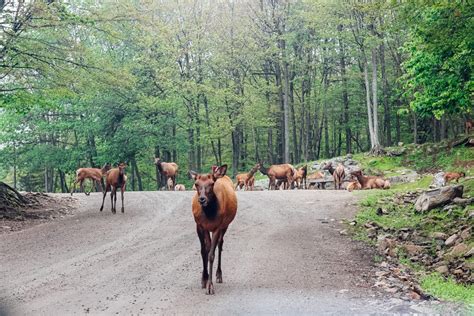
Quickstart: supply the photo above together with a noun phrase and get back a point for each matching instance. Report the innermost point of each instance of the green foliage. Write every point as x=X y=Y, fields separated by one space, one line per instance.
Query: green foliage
x=439 y=66
x=438 y=286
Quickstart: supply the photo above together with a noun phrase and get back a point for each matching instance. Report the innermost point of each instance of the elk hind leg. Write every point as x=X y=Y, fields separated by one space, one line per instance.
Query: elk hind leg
x=104 y=195
x=220 y=245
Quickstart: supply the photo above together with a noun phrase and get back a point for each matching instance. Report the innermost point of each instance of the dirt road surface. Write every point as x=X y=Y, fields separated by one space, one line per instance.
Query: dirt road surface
x=282 y=254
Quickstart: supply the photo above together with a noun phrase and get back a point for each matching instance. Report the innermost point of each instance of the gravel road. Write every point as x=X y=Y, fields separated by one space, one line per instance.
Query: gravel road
x=282 y=254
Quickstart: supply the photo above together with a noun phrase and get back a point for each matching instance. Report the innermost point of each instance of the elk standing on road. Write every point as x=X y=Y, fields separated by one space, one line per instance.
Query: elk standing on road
x=214 y=208
x=370 y=182
x=285 y=172
x=247 y=179
x=300 y=177
x=94 y=174
x=338 y=174
x=169 y=170
x=115 y=178
x=451 y=176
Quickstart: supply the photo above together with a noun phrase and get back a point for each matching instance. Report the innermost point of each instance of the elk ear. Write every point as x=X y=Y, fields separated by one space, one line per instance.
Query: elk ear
x=193 y=174
x=219 y=172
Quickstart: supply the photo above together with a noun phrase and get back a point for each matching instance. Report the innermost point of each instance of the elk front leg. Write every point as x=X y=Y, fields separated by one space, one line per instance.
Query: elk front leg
x=212 y=252
x=220 y=245
x=122 y=190
x=205 y=240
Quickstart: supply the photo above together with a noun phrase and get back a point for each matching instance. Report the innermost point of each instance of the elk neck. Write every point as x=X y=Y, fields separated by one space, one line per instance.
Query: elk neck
x=211 y=209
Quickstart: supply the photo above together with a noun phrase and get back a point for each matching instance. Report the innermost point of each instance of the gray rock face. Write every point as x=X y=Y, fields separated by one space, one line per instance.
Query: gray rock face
x=438 y=180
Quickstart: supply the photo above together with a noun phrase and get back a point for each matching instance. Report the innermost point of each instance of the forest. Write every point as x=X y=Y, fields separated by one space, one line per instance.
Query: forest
x=203 y=82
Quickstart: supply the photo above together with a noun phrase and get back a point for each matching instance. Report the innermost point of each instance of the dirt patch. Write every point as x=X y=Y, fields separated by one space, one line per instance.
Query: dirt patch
x=41 y=208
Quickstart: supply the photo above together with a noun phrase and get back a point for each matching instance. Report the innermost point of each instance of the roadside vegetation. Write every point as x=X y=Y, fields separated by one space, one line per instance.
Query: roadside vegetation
x=419 y=239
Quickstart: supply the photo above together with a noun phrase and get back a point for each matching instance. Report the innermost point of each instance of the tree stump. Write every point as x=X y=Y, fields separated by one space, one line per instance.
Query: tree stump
x=11 y=199
x=438 y=197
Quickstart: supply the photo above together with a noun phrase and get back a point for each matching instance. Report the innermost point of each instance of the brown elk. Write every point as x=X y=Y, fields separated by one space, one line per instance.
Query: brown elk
x=338 y=174
x=300 y=177
x=451 y=176
x=94 y=174
x=468 y=126
x=353 y=185
x=315 y=176
x=247 y=179
x=114 y=179
x=370 y=182
x=169 y=170
x=180 y=187
x=285 y=172
x=214 y=208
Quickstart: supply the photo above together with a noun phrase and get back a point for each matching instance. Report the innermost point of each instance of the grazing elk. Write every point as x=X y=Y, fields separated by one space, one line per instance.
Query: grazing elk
x=370 y=182
x=179 y=187
x=169 y=170
x=214 y=208
x=247 y=179
x=114 y=179
x=338 y=174
x=451 y=176
x=300 y=177
x=94 y=174
x=285 y=172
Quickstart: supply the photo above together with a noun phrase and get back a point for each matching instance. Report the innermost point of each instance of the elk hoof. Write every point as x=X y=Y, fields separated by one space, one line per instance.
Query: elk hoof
x=87 y=193
x=123 y=210
x=219 y=277
x=113 y=211
x=210 y=288
x=101 y=208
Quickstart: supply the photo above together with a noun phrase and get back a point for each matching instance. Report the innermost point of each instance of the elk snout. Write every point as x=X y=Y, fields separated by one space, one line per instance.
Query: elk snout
x=202 y=201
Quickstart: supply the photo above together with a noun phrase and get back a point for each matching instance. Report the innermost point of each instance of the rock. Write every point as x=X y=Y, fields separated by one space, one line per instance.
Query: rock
x=458 y=250
x=463 y=202
x=458 y=271
x=5 y=227
x=353 y=223
x=465 y=234
x=412 y=249
x=381 y=273
x=414 y=296
x=450 y=241
x=343 y=232
x=442 y=269
x=471 y=215
x=469 y=253
x=438 y=180
x=469 y=265
x=439 y=235
x=400 y=144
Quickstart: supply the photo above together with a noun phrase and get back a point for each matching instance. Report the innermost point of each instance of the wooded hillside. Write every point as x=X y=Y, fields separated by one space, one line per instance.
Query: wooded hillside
x=231 y=81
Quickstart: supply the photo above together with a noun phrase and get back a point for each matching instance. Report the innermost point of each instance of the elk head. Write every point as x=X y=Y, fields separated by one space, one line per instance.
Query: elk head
x=106 y=168
x=204 y=184
x=122 y=167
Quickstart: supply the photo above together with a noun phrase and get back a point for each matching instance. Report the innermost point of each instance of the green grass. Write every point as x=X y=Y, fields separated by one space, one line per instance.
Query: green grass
x=447 y=289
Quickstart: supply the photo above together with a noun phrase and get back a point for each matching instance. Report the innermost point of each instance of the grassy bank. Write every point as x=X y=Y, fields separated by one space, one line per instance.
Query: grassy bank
x=393 y=215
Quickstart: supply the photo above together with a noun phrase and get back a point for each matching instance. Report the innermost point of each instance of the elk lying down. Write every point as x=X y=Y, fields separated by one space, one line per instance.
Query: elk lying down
x=370 y=182
x=214 y=207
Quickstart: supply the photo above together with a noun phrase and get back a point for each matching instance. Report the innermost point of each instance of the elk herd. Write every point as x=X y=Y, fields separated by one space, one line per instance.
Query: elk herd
x=214 y=205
